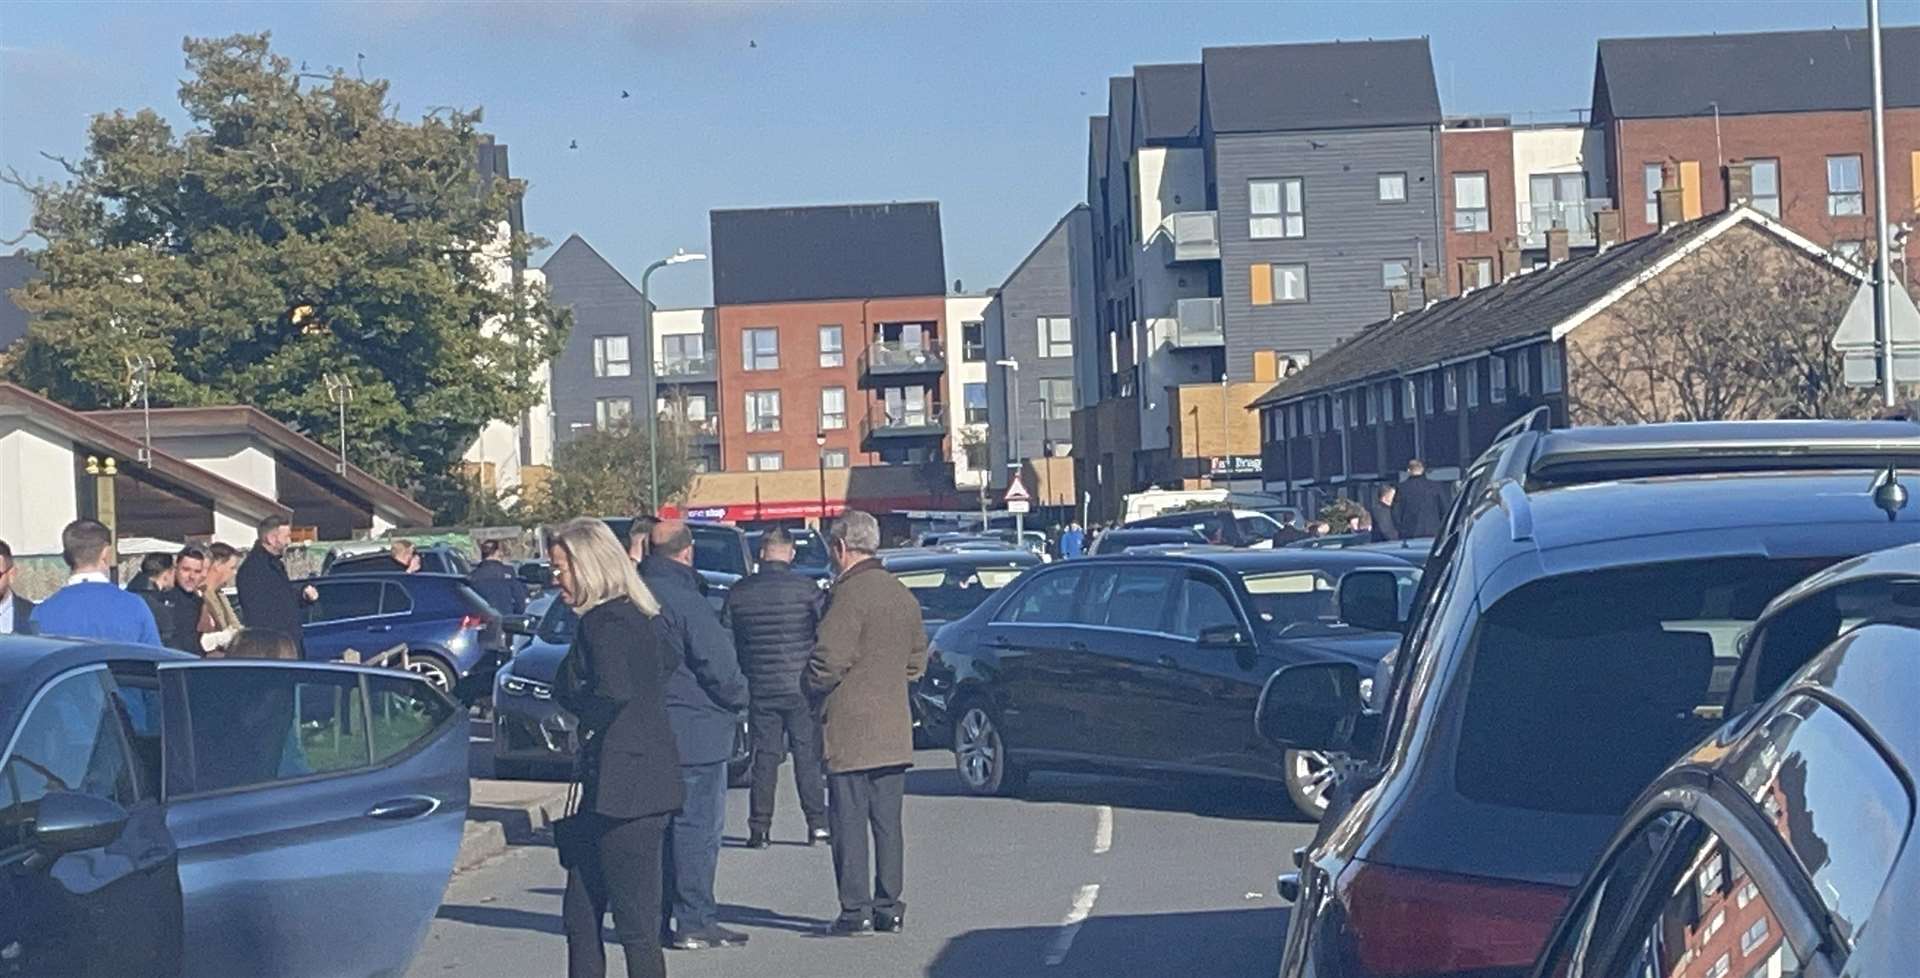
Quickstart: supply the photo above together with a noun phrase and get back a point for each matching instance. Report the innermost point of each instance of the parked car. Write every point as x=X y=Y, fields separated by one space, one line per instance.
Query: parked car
x=1146 y=663
x=1123 y=539
x=1776 y=847
x=1576 y=629
x=437 y=558
x=1416 y=550
x=1332 y=541
x=163 y=815
x=448 y=628
x=809 y=552
x=1227 y=527
x=532 y=735
x=720 y=554
x=536 y=574
x=949 y=584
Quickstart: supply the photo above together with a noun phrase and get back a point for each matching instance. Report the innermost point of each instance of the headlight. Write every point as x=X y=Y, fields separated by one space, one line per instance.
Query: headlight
x=513 y=685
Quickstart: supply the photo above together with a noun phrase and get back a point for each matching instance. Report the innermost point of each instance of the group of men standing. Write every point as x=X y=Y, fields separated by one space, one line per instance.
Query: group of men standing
x=823 y=676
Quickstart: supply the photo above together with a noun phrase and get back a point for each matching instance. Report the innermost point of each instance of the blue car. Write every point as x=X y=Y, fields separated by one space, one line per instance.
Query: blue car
x=163 y=815
x=449 y=630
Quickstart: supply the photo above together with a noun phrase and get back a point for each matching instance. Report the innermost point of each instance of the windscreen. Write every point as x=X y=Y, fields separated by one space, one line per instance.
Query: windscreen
x=947 y=593
x=1283 y=600
x=718 y=550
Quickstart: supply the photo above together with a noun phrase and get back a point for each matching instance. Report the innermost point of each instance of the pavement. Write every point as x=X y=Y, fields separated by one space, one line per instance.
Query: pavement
x=1083 y=876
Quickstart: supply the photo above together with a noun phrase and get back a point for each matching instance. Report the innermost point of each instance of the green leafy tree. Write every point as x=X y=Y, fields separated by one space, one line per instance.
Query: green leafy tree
x=300 y=227
x=605 y=473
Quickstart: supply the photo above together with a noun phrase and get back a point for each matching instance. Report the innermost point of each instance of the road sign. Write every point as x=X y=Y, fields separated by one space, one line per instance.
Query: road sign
x=1858 y=347
x=1017 y=498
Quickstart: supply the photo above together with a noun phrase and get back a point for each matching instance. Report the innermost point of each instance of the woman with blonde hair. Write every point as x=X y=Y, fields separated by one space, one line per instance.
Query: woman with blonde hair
x=614 y=680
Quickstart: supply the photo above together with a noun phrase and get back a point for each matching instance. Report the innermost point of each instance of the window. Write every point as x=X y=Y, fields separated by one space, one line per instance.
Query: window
x=1766 y=186
x=1289 y=283
x=252 y=726
x=1433 y=382
x=832 y=352
x=1047 y=599
x=1754 y=935
x=1393 y=188
x=1523 y=373
x=344 y=601
x=1652 y=175
x=973 y=341
x=1056 y=336
x=1852 y=249
x=1373 y=405
x=1476 y=273
x=1277 y=208
x=760 y=349
x=1719 y=967
x=1843 y=186
x=833 y=408
x=610 y=357
x=1551 y=369
x=1339 y=412
x=836 y=458
x=1497 y=387
x=976 y=455
x=763 y=461
x=1713 y=926
x=1204 y=604
x=974 y=397
x=1747 y=893
x=403 y=713
x=1386 y=403
x=1396 y=274
x=71 y=741
x=1453 y=389
x=763 y=410
x=683 y=348
x=612 y=412
x=1129 y=597
x=1058 y=396
x=1470 y=202
x=1470 y=375
x=1410 y=399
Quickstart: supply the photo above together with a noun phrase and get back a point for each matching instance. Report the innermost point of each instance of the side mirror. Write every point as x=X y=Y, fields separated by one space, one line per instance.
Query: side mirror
x=517 y=624
x=1224 y=637
x=1370 y=599
x=68 y=822
x=1312 y=706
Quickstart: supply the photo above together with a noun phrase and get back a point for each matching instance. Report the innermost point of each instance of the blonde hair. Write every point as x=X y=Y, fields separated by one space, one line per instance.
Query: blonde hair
x=602 y=571
x=403 y=548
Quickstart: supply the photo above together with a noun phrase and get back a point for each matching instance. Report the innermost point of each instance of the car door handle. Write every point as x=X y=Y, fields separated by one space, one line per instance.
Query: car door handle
x=379 y=628
x=399 y=809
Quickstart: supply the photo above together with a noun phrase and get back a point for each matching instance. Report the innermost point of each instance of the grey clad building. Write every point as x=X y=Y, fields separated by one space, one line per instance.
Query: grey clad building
x=604 y=304
x=1030 y=321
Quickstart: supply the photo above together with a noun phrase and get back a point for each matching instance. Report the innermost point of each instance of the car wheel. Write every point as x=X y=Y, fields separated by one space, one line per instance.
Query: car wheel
x=980 y=755
x=1311 y=776
x=429 y=667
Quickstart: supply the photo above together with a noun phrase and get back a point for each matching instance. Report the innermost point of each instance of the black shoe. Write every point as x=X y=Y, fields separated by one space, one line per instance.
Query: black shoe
x=757 y=839
x=710 y=936
x=815 y=836
x=852 y=927
x=890 y=923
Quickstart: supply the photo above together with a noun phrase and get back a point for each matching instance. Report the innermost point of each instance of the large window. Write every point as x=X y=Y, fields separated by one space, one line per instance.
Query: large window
x=1652 y=175
x=760 y=349
x=1396 y=274
x=832 y=350
x=973 y=341
x=257 y=726
x=975 y=396
x=1766 y=186
x=1277 y=208
x=1057 y=393
x=833 y=408
x=1470 y=202
x=1843 y=186
x=612 y=412
x=683 y=353
x=1392 y=188
x=834 y=458
x=1475 y=273
x=763 y=410
x=1557 y=200
x=1453 y=388
x=763 y=461
x=610 y=357
x=1056 y=336
x=1551 y=376
x=1497 y=378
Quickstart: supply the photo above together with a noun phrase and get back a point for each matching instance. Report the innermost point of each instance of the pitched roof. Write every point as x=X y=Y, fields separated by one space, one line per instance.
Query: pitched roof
x=1332 y=85
x=1058 y=227
x=1540 y=303
x=1097 y=144
x=1168 y=100
x=15 y=271
x=576 y=257
x=1119 y=117
x=1783 y=71
x=227 y=419
x=840 y=251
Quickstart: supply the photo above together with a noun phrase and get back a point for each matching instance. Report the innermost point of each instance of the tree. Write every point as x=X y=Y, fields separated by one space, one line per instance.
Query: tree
x=605 y=473
x=299 y=228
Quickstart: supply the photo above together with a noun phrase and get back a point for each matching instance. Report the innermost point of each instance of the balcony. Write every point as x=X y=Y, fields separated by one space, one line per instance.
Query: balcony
x=1195 y=234
x=1574 y=215
x=905 y=426
x=687 y=370
x=1197 y=323
x=893 y=358
x=697 y=431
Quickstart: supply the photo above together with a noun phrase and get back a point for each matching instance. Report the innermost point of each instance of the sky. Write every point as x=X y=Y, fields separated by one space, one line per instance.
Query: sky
x=981 y=106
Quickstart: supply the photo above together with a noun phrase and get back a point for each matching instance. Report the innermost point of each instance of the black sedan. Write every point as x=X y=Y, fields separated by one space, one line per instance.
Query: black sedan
x=1147 y=662
x=949 y=583
x=1126 y=538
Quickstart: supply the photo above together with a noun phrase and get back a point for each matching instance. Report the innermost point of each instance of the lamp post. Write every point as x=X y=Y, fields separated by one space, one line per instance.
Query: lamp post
x=1013 y=434
x=646 y=346
x=1882 y=314
x=820 y=442
x=340 y=389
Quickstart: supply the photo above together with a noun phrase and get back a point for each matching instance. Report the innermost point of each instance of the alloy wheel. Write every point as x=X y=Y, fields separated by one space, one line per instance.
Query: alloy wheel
x=1311 y=775
x=976 y=749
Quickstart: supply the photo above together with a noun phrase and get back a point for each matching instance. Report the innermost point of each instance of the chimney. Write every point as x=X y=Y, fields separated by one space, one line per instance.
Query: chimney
x=1556 y=246
x=1671 y=207
x=1396 y=301
x=1606 y=228
x=1509 y=259
x=1433 y=286
x=1739 y=184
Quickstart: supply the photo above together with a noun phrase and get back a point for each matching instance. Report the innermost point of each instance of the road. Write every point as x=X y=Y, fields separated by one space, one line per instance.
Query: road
x=1081 y=877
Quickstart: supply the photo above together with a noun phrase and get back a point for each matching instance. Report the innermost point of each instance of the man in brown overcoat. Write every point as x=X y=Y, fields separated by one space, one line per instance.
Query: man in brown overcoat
x=872 y=644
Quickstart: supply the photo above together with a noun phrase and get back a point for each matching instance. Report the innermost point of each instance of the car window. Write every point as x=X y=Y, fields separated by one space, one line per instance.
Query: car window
x=1204 y=604
x=1256 y=528
x=1131 y=596
x=255 y=725
x=1047 y=599
x=557 y=625
x=394 y=600
x=1581 y=688
x=718 y=549
x=72 y=740
x=401 y=713
x=1594 y=927
x=1288 y=597
x=342 y=600
x=1834 y=802
x=1794 y=635
x=1705 y=918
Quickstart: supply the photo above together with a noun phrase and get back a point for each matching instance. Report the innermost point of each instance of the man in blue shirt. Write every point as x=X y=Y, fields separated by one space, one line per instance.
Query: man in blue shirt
x=1073 y=543
x=90 y=606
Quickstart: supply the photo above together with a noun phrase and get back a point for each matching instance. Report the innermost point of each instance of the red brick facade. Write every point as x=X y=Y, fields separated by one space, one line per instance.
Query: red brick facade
x=1488 y=151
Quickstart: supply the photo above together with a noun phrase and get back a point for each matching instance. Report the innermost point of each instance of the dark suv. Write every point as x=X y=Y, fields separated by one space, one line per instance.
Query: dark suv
x=720 y=554
x=1577 y=628
x=448 y=628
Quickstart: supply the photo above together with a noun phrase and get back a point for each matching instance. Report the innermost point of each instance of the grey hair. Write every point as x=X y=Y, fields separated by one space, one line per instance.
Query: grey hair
x=857 y=531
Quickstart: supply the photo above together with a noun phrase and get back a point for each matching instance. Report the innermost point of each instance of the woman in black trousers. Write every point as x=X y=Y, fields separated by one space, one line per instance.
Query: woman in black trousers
x=614 y=680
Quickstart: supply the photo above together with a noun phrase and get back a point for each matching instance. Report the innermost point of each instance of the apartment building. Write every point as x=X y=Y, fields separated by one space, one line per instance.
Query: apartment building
x=1030 y=357
x=688 y=385
x=597 y=379
x=830 y=327
x=967 y=387
x=1518 y=196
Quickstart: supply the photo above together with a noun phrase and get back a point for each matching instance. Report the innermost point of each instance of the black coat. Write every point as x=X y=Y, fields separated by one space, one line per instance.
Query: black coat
x=707 y=691
x=614 y=679
x=186 y=620
x=1383 y=525
x=495 y=581
x=22 y=614
x=1419 y=508
x=165 y=606
x=267 y=598
x=774 y=614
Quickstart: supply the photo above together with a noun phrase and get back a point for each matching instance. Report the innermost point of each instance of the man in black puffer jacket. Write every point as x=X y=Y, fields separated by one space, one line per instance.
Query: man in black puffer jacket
x=774 y=613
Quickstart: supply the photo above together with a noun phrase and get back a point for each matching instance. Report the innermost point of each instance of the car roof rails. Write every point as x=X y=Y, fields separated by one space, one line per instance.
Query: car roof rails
x=1577 y=455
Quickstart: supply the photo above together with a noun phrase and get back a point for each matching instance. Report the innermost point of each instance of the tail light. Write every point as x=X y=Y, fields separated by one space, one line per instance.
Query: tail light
x=1416 y=922
x=475 y=621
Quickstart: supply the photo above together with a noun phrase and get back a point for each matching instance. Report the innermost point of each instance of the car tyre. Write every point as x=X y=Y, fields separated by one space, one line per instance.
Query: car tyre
x=980 y=754
x=434 y=670
x=1310 y=777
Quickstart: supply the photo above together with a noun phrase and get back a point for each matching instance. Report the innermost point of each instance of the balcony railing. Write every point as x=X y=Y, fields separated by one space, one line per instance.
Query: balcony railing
x=699 y=431
x=1196 y=235
x=893 y=358
x=1197 y=323
x=687 y=369
x=903 y=425
x=1574 y=215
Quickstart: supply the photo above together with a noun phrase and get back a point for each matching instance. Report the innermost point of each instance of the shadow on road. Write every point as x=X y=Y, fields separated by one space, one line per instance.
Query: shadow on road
x=1211 y=797
x=508 y=918
x=1212 y=943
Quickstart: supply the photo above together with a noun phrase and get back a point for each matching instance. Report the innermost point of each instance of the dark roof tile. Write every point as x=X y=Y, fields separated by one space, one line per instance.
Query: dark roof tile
x=1168 y=98
x=1333 y=85
x=842 y=251
x=1784 y=71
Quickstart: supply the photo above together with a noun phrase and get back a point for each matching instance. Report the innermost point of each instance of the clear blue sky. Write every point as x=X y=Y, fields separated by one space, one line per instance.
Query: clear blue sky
x=981 y=106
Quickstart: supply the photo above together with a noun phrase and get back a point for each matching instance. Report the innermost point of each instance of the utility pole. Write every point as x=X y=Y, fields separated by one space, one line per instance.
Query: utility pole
x=1882 y=279
x=646 y=347
x=140 y=373
x=340 y=390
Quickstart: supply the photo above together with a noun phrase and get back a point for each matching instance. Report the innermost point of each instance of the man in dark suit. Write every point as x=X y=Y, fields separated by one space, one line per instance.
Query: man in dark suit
x=1420 y=504
x=1382 y=513
x=15 y=611
x=267 y=598
x=496 y=582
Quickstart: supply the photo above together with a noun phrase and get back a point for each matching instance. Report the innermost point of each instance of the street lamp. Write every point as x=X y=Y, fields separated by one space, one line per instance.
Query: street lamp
x=820 y=442
x=340 y=391
x=646 y=345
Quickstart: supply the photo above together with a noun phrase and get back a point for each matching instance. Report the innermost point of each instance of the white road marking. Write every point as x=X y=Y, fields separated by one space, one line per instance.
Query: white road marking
x=1103 y=830
x=1070 y=927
